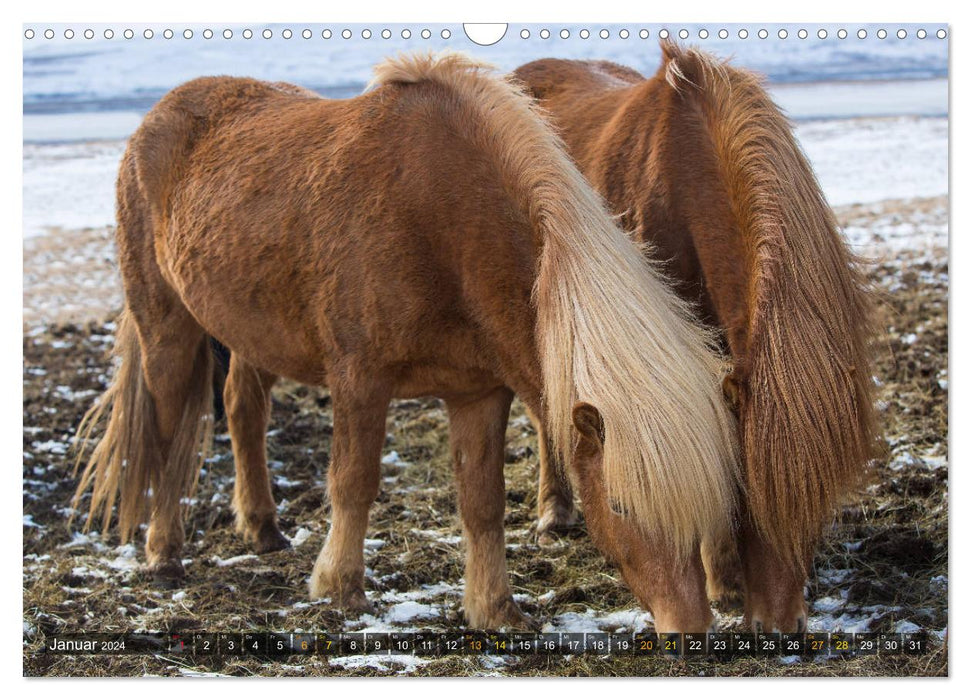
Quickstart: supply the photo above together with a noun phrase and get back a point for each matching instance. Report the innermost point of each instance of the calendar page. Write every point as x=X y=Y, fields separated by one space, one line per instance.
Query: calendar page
x=528 y=349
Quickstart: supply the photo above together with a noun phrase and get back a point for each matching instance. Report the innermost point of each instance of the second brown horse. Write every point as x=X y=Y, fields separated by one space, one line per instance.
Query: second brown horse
x=700 y=163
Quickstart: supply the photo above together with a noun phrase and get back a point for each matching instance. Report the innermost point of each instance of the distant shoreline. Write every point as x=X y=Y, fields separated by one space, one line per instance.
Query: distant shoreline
x=801 y=101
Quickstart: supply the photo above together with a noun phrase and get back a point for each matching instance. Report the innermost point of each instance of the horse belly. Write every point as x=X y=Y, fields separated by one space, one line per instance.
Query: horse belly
x=253 y=309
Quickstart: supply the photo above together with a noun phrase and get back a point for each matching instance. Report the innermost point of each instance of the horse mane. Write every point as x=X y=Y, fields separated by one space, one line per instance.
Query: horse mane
x=610 y=330
x=807 y=429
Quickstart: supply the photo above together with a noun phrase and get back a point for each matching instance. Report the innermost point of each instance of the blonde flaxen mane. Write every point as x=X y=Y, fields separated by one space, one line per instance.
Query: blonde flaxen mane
x=611 y=331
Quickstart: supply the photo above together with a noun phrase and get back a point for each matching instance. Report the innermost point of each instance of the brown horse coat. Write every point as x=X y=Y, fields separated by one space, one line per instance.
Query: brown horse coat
x=427 y=237
x=699 y=163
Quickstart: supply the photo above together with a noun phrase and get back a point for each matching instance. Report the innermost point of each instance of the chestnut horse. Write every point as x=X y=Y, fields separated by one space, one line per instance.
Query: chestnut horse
x=701 y=164
x=430 y=237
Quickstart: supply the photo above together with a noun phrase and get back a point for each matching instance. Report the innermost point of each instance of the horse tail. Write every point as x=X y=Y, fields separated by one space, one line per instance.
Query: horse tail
x=610 y=331
x=803 y=359
x=126 y=461
x=126 y=465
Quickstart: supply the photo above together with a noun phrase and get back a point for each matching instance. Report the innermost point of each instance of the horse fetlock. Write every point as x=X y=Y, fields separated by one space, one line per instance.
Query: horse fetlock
x=349 y=599
x=262 y=532
x=790 y=617
x=683 y=619
x=344 y=585
x=270 y=539
x=554 y=516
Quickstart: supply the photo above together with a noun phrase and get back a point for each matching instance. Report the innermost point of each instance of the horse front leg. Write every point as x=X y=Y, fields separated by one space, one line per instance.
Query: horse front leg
x=723 y=568
x=477 y=431
x=355 y=470
x=247 y=401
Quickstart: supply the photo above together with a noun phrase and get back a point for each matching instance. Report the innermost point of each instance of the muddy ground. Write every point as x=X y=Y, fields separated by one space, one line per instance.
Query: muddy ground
x=882 y=568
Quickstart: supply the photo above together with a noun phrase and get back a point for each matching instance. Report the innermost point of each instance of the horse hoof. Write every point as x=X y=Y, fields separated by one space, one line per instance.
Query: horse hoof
x=505 y=616
x=554 y=522
x=546 y=539
x=168 y=574
x=726 y=598
x=270 y=539
x=356 y=603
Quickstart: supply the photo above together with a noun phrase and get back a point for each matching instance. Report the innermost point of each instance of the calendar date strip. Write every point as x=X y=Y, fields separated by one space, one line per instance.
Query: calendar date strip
x=430 y=644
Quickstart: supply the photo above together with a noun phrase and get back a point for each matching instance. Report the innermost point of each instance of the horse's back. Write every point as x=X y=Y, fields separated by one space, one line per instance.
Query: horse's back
x=182 y=119
x=549 y=77
x=306 y=215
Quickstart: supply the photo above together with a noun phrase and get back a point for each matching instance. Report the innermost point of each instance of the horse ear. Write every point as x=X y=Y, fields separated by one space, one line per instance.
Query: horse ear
x=589 y=423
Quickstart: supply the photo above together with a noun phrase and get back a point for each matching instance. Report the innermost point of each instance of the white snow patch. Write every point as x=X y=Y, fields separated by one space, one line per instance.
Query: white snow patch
x=85 y=572
x=859 y=620
x=126 y=559
x=390 y=662
x=632 y=619
x=833 y=577
x=193 y=673
x=53 y=446
x=29 y=522
x=906 y=627
x=232 y=561
x=301 y=536
x=494 y=662
x=546 y=597
x=85 y=539
x=409 y=610
x=393 y=458
x=438 y=536
x=829 y=604
x=590 y=621
x=428 y=590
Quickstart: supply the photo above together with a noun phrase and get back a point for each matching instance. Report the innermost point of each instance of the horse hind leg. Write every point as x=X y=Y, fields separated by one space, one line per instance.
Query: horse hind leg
x=161 y=397
x=554 y=502
x=360 y=416
x=177 y=369
x=246 y=398
x=477 y=430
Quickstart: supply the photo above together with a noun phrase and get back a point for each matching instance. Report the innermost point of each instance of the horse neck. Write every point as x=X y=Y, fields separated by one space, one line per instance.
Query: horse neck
x=671 y=192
